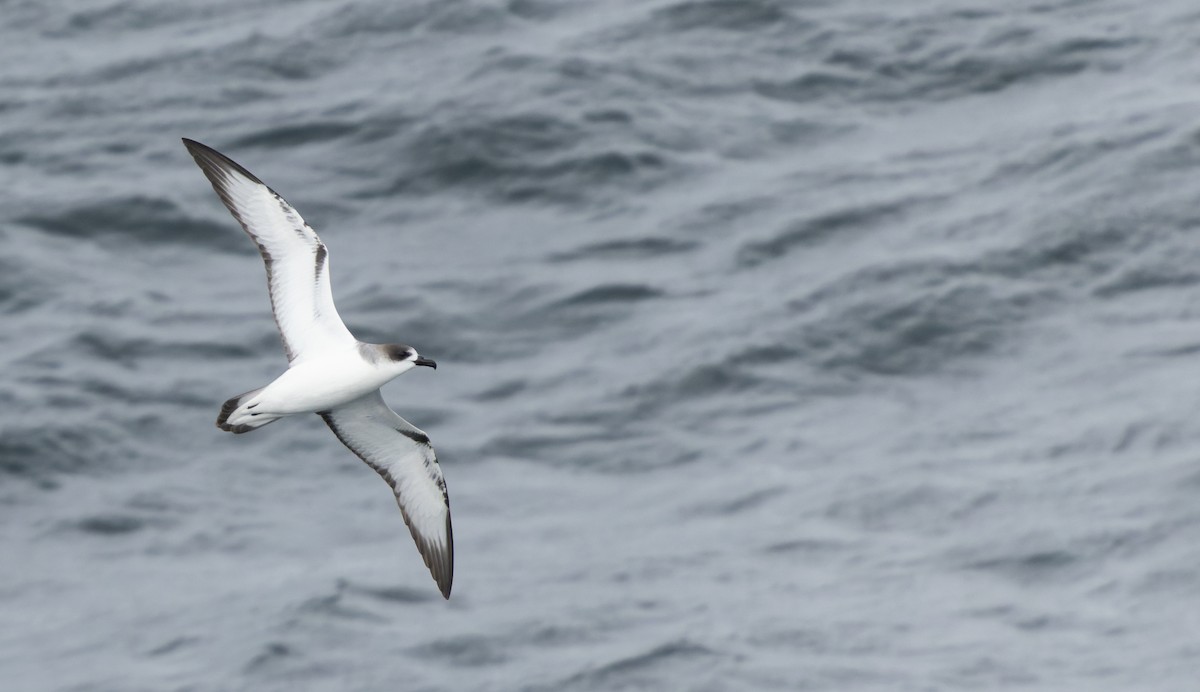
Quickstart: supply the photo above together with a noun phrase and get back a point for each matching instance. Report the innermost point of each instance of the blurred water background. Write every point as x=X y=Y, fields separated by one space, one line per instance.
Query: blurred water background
x=783 y=345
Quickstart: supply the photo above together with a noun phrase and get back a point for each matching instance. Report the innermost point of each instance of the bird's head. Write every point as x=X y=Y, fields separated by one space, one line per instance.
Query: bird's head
x=406 y=357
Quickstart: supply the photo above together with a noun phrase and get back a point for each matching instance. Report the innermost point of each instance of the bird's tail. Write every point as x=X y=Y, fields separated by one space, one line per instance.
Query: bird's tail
x=238 y=416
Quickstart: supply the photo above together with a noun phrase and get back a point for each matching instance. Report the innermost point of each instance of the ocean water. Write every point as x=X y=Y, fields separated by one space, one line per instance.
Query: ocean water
x=782 y=345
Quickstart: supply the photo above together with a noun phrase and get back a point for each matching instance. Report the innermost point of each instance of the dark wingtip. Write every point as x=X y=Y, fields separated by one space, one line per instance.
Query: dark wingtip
x=447 y=578
x=439 y=559
x=197 y=149
x=210 y=159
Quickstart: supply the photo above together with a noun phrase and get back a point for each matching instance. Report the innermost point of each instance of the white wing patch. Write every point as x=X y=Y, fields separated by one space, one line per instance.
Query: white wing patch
x=400 y=453
x=296 y=260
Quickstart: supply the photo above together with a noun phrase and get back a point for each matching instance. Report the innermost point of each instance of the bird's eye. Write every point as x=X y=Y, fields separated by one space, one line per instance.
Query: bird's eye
x=399 y=353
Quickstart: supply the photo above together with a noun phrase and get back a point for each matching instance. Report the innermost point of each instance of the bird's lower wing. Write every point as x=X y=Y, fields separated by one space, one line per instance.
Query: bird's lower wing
x=402 y=455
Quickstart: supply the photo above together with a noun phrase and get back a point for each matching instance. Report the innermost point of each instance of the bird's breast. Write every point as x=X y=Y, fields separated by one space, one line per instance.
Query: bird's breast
x=321 y=384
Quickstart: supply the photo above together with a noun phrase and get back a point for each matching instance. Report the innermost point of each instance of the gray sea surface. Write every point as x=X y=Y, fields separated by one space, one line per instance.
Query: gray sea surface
x=801 y=345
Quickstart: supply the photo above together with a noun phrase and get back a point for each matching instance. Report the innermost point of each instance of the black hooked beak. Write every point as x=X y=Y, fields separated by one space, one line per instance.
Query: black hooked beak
x=426 y=362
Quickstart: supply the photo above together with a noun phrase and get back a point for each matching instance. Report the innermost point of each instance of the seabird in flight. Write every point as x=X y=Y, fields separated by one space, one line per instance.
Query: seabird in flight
x=331 y=373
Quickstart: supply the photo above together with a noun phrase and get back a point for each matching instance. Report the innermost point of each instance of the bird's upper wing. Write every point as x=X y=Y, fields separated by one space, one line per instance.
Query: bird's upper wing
x=401 y=453
x=296 y=260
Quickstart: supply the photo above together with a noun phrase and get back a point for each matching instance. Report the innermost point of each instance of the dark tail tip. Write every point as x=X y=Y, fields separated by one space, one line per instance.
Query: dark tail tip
x=227 y=410
x=232 y=405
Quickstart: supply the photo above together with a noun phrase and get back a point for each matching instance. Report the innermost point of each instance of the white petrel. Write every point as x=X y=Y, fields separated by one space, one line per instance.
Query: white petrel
x=331 y=373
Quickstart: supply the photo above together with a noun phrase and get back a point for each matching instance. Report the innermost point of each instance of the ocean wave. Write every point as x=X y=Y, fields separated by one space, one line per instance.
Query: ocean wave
x=643 y=669
x=440 y=16
x=633 y=249
x=910 y=330
x=721 y=15
x=148 y=220
x=295 y=135
x=806 y=232
x=610 y=293
x=79 y=445
x=937 y=65
x=526 y=159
